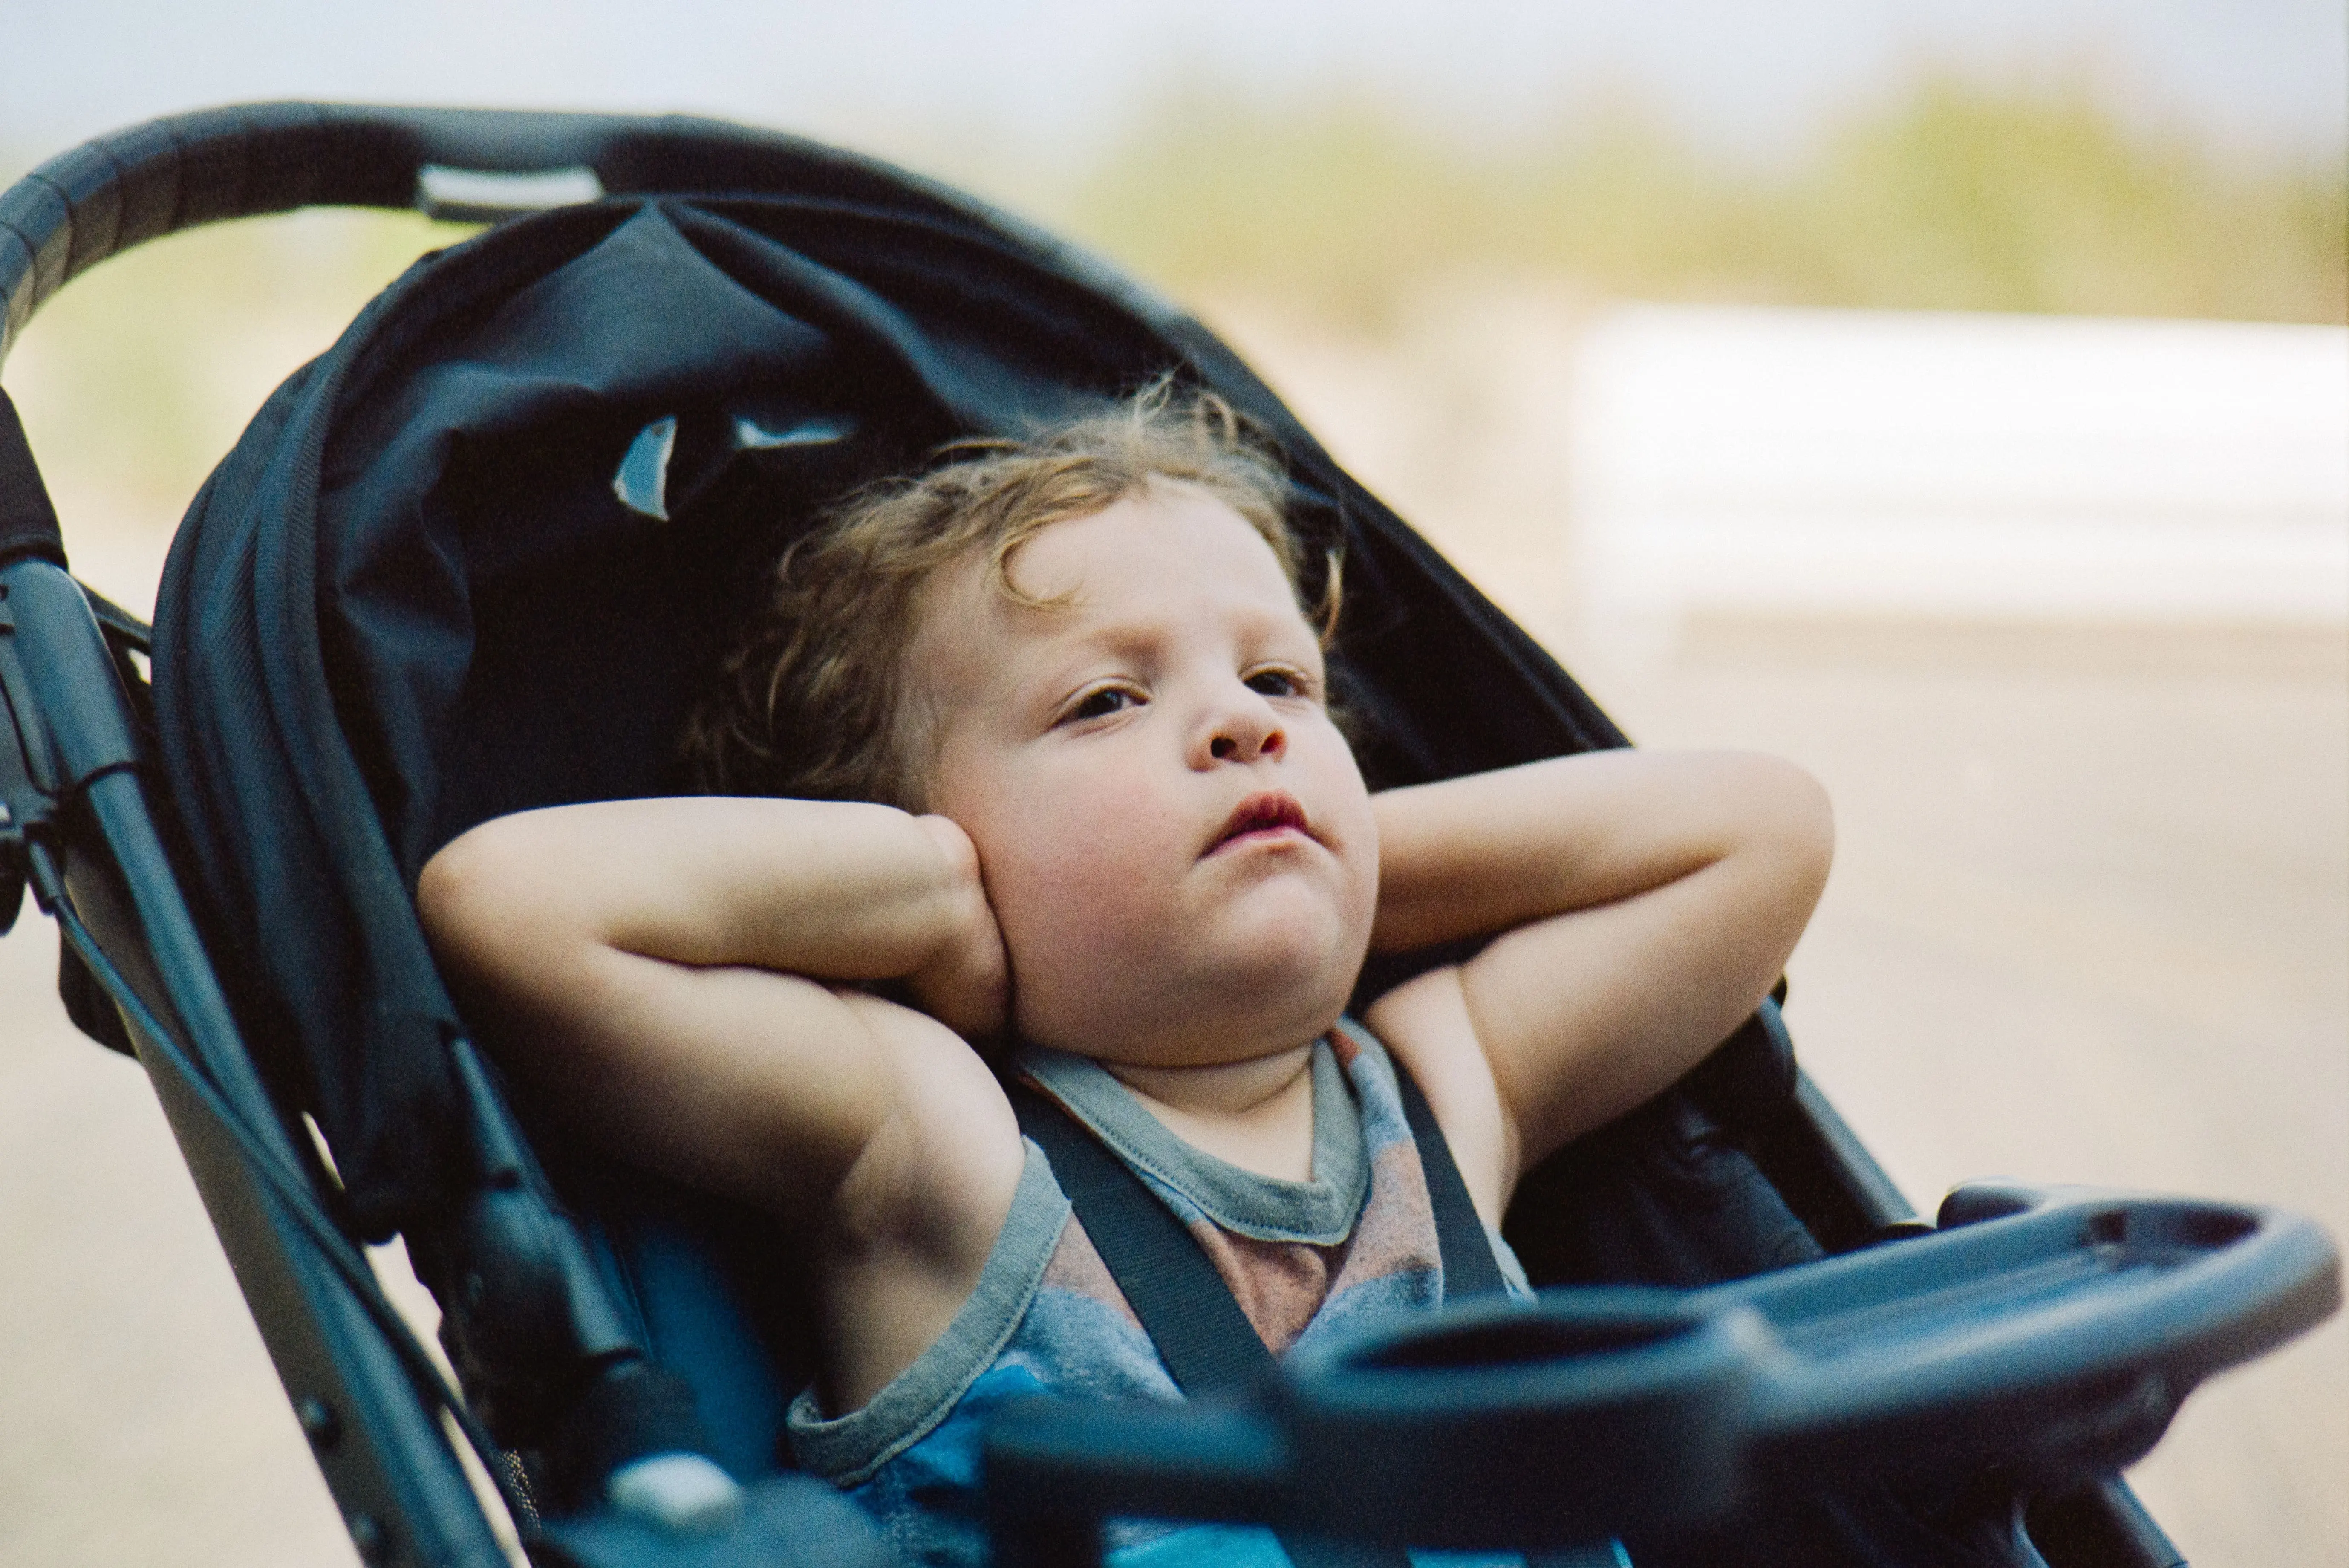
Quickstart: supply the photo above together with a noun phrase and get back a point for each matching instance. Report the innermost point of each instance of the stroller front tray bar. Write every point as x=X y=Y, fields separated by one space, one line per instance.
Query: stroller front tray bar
x=2039 y=1339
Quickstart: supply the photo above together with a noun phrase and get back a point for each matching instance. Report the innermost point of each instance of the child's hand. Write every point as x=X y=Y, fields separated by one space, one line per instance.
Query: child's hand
x=966 y=986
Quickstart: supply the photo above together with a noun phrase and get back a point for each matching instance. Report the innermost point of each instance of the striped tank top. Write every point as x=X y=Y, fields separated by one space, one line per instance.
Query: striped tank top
x=1304 y=1260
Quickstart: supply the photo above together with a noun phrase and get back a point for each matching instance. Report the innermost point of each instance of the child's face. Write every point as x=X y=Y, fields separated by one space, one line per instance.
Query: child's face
x=1176 y=839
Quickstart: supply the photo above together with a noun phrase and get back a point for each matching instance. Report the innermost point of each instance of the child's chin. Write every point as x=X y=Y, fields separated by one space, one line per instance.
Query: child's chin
x=1222 y=1011
x=1255 y=968
x=1296 y=942
x=1292 y=979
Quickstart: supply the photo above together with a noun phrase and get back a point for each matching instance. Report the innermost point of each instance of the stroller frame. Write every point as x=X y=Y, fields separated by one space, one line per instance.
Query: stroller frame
x=81 y=822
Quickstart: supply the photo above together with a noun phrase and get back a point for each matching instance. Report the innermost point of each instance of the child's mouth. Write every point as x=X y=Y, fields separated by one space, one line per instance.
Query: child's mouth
x=1264 y=814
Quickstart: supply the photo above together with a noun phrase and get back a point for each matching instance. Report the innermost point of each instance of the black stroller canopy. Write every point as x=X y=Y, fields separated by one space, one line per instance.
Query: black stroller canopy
x=477 y=557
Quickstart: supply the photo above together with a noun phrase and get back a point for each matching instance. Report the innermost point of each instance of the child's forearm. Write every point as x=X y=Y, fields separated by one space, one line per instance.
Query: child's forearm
x=1491 y=852
x=833 y=890
x=668 y=974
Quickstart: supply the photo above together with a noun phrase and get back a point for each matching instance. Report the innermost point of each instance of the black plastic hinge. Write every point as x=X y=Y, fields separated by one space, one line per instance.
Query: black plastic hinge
x=16 y=866
x=29 y=522
x=24 y=806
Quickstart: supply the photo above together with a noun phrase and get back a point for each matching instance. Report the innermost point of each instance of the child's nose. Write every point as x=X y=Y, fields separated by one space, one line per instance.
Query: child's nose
x=1245 y=729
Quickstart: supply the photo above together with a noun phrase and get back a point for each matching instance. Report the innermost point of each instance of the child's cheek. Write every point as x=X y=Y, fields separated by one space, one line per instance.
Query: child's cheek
x=1106 y=858
x=1085 y=892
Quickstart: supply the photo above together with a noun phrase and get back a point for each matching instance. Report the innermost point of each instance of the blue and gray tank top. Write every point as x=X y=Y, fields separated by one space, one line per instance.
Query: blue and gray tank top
x=1303 y=1259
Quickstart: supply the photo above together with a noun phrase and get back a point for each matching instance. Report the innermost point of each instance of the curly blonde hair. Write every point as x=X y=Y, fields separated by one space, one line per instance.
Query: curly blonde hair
x=810 y=702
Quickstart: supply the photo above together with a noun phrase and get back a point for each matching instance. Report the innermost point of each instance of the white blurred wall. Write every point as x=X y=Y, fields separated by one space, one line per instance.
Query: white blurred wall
x=1953 y=466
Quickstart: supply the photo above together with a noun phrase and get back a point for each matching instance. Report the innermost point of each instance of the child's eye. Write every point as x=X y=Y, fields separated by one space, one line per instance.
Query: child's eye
x=1101 y=705
x=1279 y=683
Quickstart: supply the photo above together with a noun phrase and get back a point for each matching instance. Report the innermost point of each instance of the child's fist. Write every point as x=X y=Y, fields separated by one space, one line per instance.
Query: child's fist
x=967 y=983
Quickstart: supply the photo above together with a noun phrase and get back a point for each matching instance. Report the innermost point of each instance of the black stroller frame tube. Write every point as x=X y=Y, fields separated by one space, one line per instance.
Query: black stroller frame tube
x=99 y=866
x=370 y=1425
x=181 y=172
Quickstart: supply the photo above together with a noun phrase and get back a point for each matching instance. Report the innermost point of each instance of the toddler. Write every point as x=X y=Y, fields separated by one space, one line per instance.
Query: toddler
x=1030 y=767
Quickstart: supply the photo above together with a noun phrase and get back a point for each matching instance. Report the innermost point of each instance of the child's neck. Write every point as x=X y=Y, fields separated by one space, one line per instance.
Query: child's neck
x=1256 y=1114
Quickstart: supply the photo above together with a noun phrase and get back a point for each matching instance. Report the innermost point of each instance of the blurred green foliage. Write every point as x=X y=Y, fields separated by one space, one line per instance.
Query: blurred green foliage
x=138 y=377
x=1952 y=196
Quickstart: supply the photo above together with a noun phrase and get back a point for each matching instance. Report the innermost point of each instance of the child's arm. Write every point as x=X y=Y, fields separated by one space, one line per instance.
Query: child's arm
x=678 y=977
x=1647 y=902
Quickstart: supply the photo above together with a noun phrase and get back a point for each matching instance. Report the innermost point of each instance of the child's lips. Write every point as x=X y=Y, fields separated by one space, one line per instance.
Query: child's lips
x=1265 y=814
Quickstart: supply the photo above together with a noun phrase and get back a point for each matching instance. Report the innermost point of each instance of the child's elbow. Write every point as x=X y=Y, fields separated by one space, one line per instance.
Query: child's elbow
x=1795 y=825
x=465 y=897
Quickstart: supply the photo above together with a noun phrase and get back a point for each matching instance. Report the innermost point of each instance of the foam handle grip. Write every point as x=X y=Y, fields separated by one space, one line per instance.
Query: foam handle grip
x=180 y=172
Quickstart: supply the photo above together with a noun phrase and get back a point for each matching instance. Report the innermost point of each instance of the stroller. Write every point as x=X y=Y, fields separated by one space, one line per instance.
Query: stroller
x=474 y=559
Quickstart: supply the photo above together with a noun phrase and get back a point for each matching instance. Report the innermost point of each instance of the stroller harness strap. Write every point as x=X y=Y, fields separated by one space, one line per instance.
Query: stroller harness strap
x=1468 y=1266
x=1206 y=1341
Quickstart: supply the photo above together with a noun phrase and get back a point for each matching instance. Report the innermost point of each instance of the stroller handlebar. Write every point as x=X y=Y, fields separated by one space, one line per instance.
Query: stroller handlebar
x=186 y=170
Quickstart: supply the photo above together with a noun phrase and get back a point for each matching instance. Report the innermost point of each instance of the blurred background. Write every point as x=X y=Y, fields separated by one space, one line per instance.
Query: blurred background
x=1954 y=397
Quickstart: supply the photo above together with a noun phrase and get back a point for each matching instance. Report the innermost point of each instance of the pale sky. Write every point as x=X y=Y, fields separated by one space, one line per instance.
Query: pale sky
x=1058 y=76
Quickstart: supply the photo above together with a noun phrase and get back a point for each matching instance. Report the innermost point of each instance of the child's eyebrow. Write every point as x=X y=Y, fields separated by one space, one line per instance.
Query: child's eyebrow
x=1119 y=640
x=1135 y=636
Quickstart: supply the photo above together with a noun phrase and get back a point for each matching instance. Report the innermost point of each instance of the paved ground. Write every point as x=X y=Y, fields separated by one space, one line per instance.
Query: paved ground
x=2090 y=922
